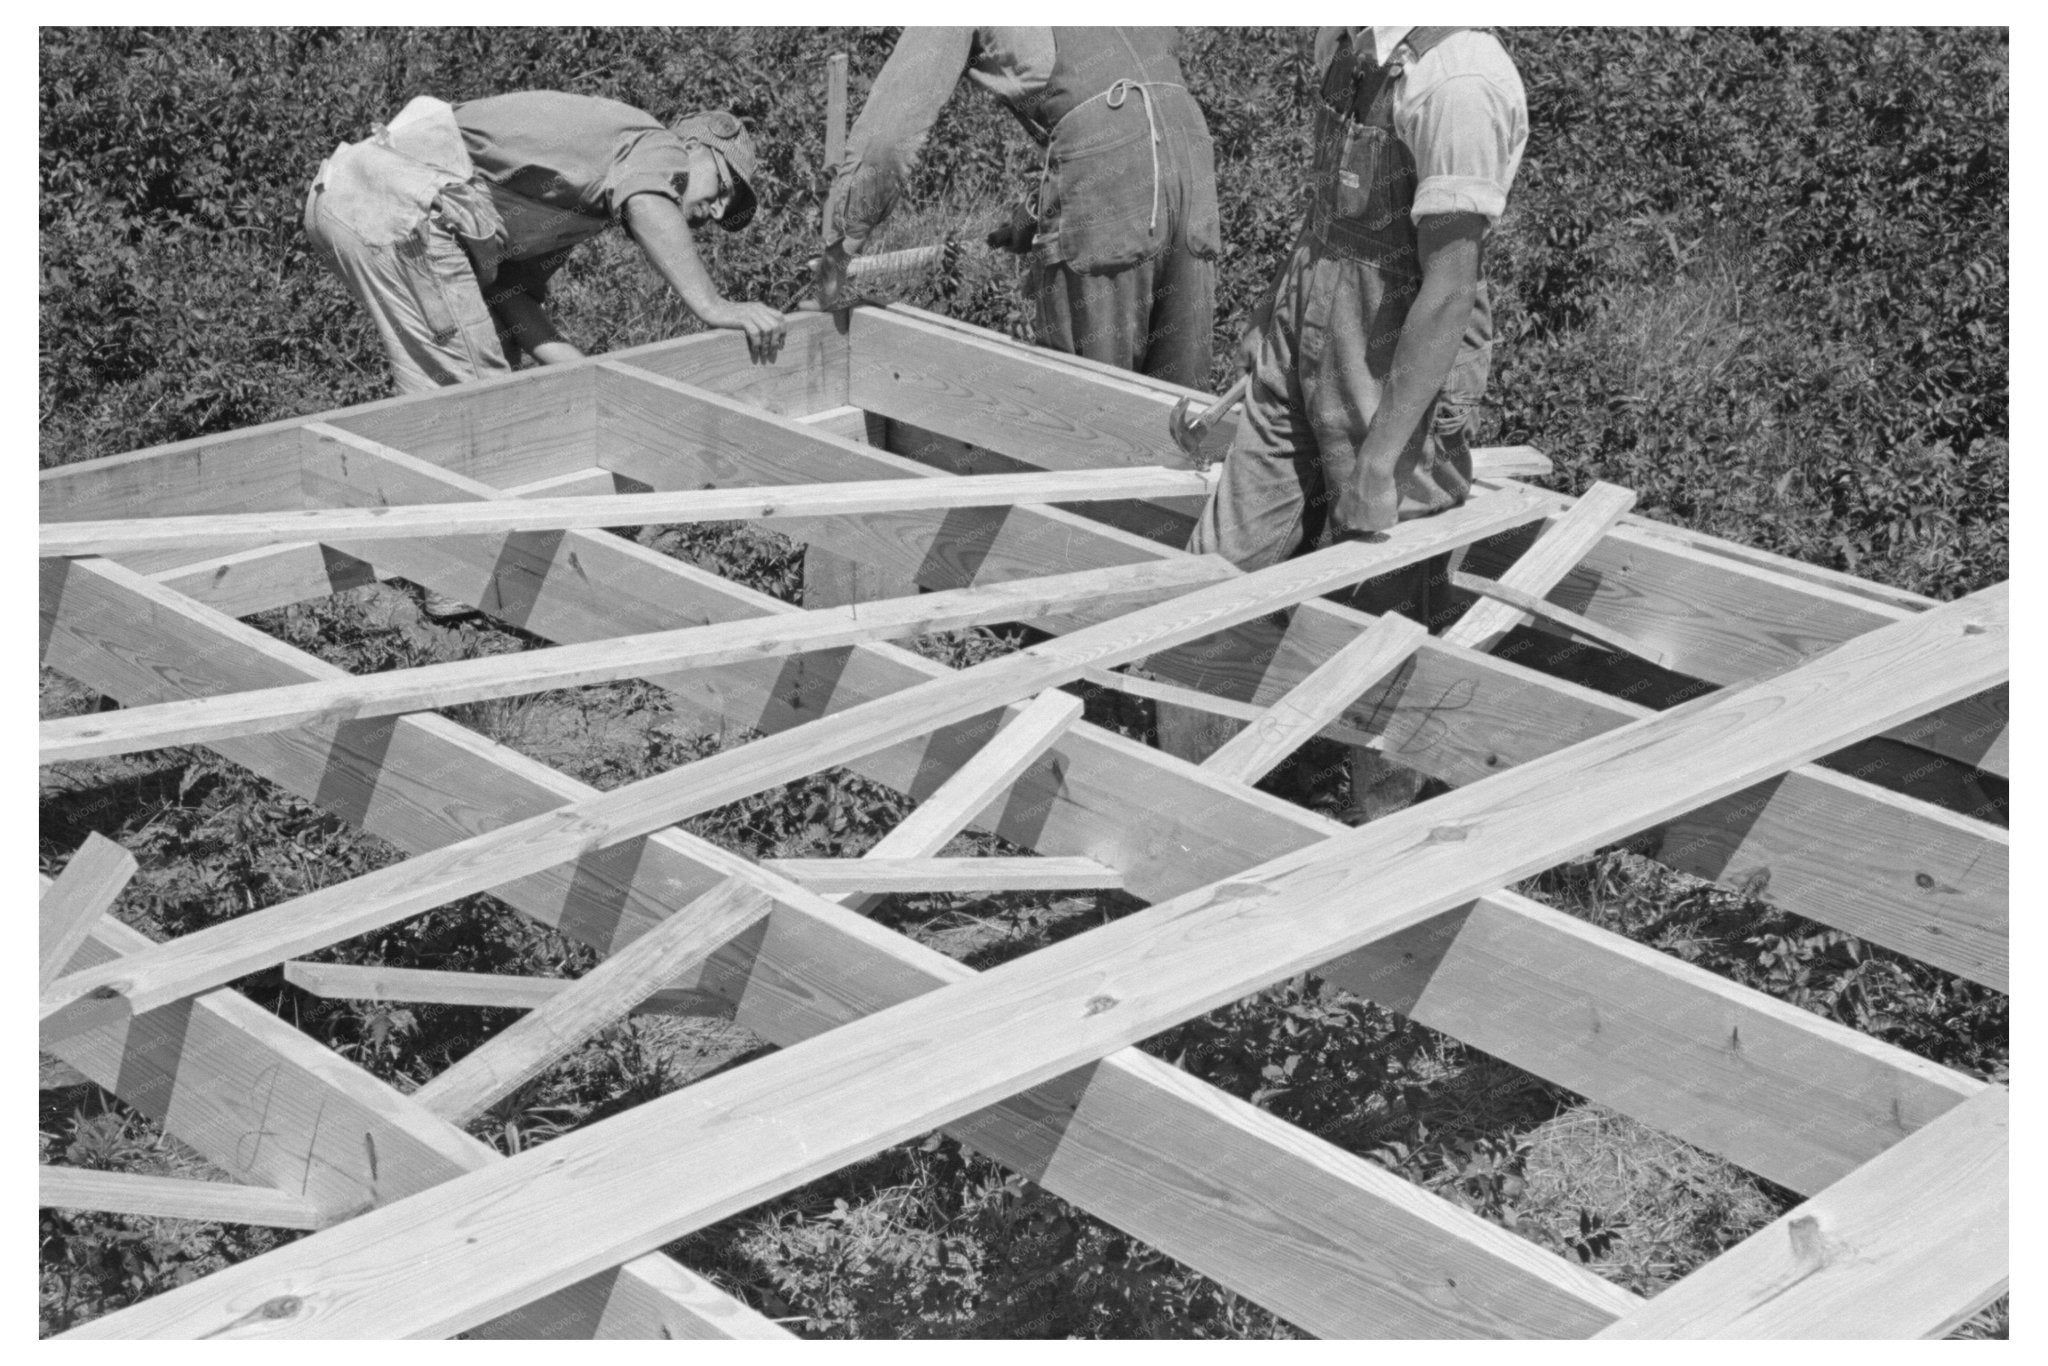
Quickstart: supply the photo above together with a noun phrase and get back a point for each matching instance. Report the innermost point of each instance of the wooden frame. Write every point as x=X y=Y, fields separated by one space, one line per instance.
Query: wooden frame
x=1030 y=1064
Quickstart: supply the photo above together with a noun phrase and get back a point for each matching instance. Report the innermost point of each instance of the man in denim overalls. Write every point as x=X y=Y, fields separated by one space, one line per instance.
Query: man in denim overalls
x=1122 y=266
x=1371 y=352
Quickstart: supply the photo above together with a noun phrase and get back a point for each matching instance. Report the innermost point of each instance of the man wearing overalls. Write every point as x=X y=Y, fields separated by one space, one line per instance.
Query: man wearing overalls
x=1370 y=355
x=1123 y=265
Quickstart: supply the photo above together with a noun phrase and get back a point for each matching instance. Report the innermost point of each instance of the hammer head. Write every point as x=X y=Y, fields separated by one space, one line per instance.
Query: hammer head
x=1190 y=432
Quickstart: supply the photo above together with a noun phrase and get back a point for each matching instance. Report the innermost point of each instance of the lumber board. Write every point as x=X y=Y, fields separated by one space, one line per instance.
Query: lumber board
x=1296 y=1231
x=1257 y=749
x=166 y=1197
x=1558 y=548
x=870 y=873
x=254 y=470
x=1727 y=617
x=271 y=1107
x=429 y=986
x=752 y=1133
x=1907 y=1246
x=1290 y=1234
x=220 y=953
x=69 y=908
x=1777 y=1090
x=1522 y=606
x=331 y=525
x=982 y=779
x=1725 y=614
x=198 y=720
x=1453 y=713
x=600 y=998
x=1938 y=892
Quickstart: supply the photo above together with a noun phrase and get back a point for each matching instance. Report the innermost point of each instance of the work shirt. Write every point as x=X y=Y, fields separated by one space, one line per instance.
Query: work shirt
x=559 y=169
x=1462 y=114
x=1012 y=64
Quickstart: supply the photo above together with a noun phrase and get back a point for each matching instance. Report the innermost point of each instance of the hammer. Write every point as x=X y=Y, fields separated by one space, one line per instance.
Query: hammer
x=1189 y=435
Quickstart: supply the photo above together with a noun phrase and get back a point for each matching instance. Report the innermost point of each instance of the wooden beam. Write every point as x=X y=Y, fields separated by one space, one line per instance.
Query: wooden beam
x=827 y=876
x=198 y=720
x=1724 y=614
x=1307 y=1230
x=1257 y=749
x=547 y=1217
x=74 y=903
x=273 y=1108
x=1453 y=713
x=166 y=1197
x=1325 y=1251
x=220 y=953
x=1908 y=1246
x=427 y=986
x=600 y=998
x=331 y=525
x=1562 y=545
x=1517 y=604
x=1775 y=1089
x=982 y=779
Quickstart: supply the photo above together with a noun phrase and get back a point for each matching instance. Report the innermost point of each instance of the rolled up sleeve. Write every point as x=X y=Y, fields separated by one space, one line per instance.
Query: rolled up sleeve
x=1467 y=130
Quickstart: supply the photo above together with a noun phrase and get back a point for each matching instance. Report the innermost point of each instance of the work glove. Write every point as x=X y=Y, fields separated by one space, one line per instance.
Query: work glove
x=1018 y=233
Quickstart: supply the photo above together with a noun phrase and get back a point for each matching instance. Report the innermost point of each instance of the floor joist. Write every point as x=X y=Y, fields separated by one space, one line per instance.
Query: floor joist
x=1026 y=1023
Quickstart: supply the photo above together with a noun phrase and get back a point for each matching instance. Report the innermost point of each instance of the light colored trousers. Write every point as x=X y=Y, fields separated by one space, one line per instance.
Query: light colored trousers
x=375 y=220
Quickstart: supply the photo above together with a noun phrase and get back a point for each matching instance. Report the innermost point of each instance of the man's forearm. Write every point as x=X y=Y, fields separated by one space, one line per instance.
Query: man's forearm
x=1428 y=348
x=663 y=233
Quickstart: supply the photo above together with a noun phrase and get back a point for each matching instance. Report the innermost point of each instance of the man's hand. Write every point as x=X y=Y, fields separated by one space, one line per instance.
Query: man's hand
x=762 y=324
x=1018 y=233
x=1254 y=328
x=662 y=229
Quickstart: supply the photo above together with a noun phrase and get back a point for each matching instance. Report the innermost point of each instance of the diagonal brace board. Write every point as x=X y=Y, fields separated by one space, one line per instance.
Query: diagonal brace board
x=600 y=998
x=1561 y=546
x=745 y=1136
x=219 y=954
x=418 y=520
x=223 y=716
x=98 y=870
x=165 y=1197
x=1317 y=700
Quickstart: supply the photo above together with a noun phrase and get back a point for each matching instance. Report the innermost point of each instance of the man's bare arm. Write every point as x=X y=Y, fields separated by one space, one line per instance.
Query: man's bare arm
x=1448 y=245
x=662 y=229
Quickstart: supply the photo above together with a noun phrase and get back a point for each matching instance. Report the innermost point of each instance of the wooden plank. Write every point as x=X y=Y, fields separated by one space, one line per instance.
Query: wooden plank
x=1723 y=614
x=1521 y=606
x=595 y=1001
x=427 y=986
x=1725 y=617
x=198 y=720
x=1298 y=1231
x=1257 y=749
x=1292 y=1234
x=255 y=470
x=1452 y=713
x=1908 y=1246
x=1939 y=894
x=835 y=112
x=165 y=1197
x=828 y=876
x=74 y=903
x=1772 y=1088
x=1561 y=546
x=550 y=1216
x=348 y=525
x=981 y=780
x=220 y=953
x=271 y=1107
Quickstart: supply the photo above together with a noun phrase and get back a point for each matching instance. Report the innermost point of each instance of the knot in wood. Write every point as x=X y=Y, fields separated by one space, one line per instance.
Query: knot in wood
x=1097 y=1004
